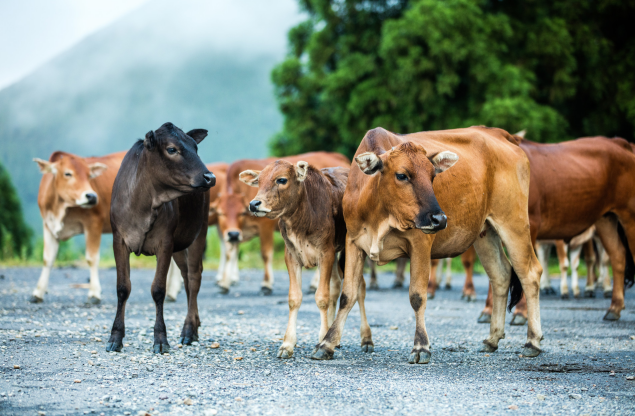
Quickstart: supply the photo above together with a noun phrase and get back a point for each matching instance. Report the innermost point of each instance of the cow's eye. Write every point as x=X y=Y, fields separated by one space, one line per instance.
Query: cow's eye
x=68 y=174
x=171 y=150
x=401 y=177
x=282 y=181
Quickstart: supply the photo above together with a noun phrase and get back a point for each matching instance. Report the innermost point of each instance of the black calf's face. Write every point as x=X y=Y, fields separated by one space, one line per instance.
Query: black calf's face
x=174 y=161
x=407 y=174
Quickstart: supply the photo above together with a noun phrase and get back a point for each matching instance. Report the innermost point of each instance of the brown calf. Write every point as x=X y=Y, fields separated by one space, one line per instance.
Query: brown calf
x=307 y=202
x=236 y=225
x=392 y=209
x=74 y=198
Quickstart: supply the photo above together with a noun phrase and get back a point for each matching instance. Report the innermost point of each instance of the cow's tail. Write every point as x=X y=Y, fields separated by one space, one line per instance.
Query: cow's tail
x=629 y=268
x=342 y=262
x=515 y=291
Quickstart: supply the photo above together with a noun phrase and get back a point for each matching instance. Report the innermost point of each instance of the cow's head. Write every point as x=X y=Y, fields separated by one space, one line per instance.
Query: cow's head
x=72 y=175
x=172 y=158
x=231 y=209
x=279 y=187
x=406 y=173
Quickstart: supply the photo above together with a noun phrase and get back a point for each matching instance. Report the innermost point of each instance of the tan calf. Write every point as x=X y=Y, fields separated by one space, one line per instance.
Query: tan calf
x=74 y=198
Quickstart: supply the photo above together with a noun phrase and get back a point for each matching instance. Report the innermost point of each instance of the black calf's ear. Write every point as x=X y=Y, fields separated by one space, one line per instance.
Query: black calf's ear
x=197 y=134
x=150 y=142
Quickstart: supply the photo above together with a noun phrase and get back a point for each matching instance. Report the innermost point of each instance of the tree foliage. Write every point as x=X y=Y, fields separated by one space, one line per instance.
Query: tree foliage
x=558 y=69
x=15 y=235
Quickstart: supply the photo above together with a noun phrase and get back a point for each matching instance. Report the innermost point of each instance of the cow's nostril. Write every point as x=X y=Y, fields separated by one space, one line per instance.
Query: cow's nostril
x=91 y=198
x=439 y=220
x=253 y=205
x=210 y=179
x=233 y=236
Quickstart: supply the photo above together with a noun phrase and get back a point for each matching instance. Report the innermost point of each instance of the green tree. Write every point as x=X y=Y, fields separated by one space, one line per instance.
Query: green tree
x=558 y=69
x=15 y=235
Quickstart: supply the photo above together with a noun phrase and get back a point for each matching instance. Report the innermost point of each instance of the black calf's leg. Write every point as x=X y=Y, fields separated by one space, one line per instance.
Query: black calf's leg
x=195 y=253
x=158 y=288
x=122 y=259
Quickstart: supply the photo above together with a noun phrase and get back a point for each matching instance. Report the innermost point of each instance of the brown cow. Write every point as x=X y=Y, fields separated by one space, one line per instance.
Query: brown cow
x=235 y=223
x=392 y=210
x=174 y=282
x=575 y=185
x=308 y=204
x=74 y=198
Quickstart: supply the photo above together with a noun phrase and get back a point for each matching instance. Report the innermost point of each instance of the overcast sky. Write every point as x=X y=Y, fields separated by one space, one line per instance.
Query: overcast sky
x=34 y=31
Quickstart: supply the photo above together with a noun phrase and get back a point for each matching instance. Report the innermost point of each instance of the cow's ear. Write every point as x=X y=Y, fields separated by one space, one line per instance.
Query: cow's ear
x=45 y=166
x=150 y=142
x=197 y=134
x=443 y=161
x=250 y=177
x=96 y=169
x=301 y=169
x=369 y=163
x=521 y=133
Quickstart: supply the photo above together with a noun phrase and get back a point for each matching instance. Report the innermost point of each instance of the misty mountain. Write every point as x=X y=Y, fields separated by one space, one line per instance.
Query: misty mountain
x=199 y=65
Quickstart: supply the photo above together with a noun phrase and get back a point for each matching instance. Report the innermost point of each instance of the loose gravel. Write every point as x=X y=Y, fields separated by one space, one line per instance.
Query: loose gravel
x=53 y=359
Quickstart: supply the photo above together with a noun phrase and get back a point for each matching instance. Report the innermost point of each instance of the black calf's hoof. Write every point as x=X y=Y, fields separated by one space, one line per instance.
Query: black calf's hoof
x=518 y=320
x=611 y=316
x=589 y=294
x=321 y=353
x=487 y=348
x=368 y=347
x=265 y=291
x=161 y=348
x=223 y=290
x=608 y=294
x=530 y=351
x=188 y=340
x=93 y=300
x=35 y=299
x=484 y=318
x=419 y=357
x=396 y=285
x=115 y=346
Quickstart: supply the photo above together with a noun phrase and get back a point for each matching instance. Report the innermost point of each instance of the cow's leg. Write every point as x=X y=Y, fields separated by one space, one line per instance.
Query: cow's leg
x=468 y=258
x=195 y=252
x=266 y=251
x=295 y=300
x=315 y=281
x=591 y=260
x=432 y=279
x=122 y=260
x=574 y=262
x=173 y=283
x=448 y=272
x=334 y=294
x=607 y=229
x=364 y=329
x=323 y=298
x=420 y=274
x=51 y=246
x=93 y=241
x=486 y=314
x=498 y=269
x=222 y=259
x=544 y=251
x=563 y=261
x=515 y=235
x=231 y=267
x=373 y=285
x=354 y=266
x=400 y=273
x=603 y=268
x=158 y=290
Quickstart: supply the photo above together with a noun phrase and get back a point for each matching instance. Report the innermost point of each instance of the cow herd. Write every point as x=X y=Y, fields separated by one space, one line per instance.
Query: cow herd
x=422 y=196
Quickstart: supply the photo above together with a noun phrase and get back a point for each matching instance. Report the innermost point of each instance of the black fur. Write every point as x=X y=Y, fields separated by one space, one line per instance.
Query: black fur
x=515 y=291
x=629 y=269
x=342 y=262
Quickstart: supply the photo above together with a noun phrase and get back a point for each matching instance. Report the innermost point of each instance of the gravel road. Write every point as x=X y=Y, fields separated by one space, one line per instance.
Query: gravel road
x=53 y=358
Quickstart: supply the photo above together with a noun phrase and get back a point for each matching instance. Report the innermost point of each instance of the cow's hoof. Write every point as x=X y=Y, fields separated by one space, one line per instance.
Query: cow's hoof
x=469 y=297
x=285 y=353
x=611 y=316
x=608 y=294
x=518 y=320
x=115 y=346
x=233 y=283
x=373 y=286
x=431 y=296
x=321 y=353
x=223 y=290
x=188 y=340
x=93 y=300
x=487 y=348
x=265 y=291
x=370 y=347
x=419 y=357
x=589 y=293
x=161 y=348
x=548 y=291
x=170 y=299
x=36 y=299
x=311 y=290
x=576 y=295
x=484 y=318
x=397 y=285
x=448 y=286
x=530 y=351
x=564 y=296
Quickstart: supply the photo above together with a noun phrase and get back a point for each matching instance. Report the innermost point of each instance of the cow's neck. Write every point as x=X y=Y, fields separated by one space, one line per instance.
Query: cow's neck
x=307 y=214
x=379 y=221
x=55 y=211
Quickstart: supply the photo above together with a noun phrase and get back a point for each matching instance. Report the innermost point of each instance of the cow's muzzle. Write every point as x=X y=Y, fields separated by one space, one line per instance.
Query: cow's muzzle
x=434 y=222
x=256 y=208
x=88 y=200
x=233 y=236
